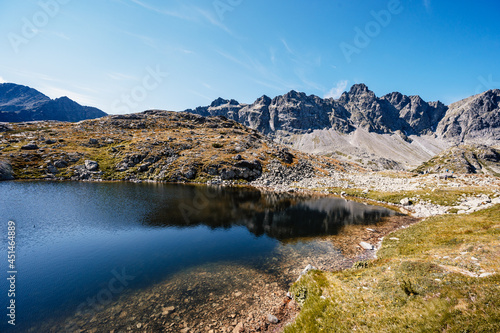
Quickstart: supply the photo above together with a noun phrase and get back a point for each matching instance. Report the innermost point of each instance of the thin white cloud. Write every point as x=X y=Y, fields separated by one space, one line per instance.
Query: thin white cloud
x=59 y=34
x=337 y=91
x=120 y=76
x=163 y=11
x=272 y=53
x=210 y=99
x=287 y=47
x=2 y=80
x=31 y=75
x=187 y=13
x=210 y=17
x=55 y=92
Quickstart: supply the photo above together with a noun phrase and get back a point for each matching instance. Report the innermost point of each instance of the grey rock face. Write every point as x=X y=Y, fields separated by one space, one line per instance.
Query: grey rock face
x=476 y=118
x=422 y=117
x=297 y=113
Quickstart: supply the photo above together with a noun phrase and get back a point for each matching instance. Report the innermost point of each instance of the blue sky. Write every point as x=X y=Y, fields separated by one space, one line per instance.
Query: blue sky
x=131 y=55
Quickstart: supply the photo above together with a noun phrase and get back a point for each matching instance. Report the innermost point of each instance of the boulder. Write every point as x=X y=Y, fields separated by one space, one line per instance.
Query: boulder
x=30 y=146
x=52 y=169
x=6 y=171
x=60 y=164
x=91 y=165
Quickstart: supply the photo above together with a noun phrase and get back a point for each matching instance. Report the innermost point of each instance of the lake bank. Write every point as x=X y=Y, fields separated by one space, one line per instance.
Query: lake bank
x=88 y=243
x=439 y=274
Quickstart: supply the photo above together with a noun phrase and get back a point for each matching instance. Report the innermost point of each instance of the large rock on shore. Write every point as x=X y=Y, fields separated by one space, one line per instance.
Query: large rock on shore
x=6 y=172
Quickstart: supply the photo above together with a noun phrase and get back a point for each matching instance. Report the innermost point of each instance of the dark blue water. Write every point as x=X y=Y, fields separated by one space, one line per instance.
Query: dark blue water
x=76 y=241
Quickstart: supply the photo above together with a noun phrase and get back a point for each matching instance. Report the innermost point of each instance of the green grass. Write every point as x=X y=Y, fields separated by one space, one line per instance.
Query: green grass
x=417 y=284
x=439 y=196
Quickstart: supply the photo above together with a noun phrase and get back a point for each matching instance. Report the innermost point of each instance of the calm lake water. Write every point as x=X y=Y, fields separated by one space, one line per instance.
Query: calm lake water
x=82 y=241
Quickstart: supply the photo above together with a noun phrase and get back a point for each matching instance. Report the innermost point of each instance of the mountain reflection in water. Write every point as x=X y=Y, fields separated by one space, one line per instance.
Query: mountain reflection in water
x=280 y=216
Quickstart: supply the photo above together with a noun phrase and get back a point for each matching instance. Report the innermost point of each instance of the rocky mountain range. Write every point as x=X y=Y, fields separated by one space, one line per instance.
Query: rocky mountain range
x=20 y=103
x=394 y=130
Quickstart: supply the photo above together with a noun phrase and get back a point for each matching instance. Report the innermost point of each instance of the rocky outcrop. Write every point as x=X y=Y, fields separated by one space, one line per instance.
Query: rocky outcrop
x=153 y=145
x=394 y=131
x=298 y=113
x=474 y=119
x=20 y=103
x=465 y=159
x=420 y=116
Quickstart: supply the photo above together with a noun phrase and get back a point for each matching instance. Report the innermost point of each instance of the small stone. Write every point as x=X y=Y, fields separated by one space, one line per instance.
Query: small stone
x=238 y=294
x=168 y=310
x=272 y=319
x=139 y=325
x=366 y=246
x=405 y=202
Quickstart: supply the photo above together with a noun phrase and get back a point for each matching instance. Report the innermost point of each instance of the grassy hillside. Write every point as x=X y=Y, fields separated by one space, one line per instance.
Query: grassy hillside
x=153 y=145
x=440 y=275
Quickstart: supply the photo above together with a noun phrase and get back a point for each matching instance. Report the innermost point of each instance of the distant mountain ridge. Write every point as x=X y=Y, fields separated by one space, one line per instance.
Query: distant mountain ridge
x=21 y=103
x=298 y=113
x=395 y=129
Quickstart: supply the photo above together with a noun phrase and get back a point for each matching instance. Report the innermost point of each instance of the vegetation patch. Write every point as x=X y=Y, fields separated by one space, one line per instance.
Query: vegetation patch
x=439 y=275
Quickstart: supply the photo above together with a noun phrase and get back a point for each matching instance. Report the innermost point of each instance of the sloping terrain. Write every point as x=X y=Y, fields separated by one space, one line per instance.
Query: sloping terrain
x=473 y=120
x=372 y=150
x=439 y=275
x=465 y=159
x=153 y=145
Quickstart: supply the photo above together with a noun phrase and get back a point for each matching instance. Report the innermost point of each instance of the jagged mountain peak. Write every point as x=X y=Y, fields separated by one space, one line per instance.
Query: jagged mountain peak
x=293 y=94
x=264 y=99
x=297 y=113
x=358 y=89
x=221 y=101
